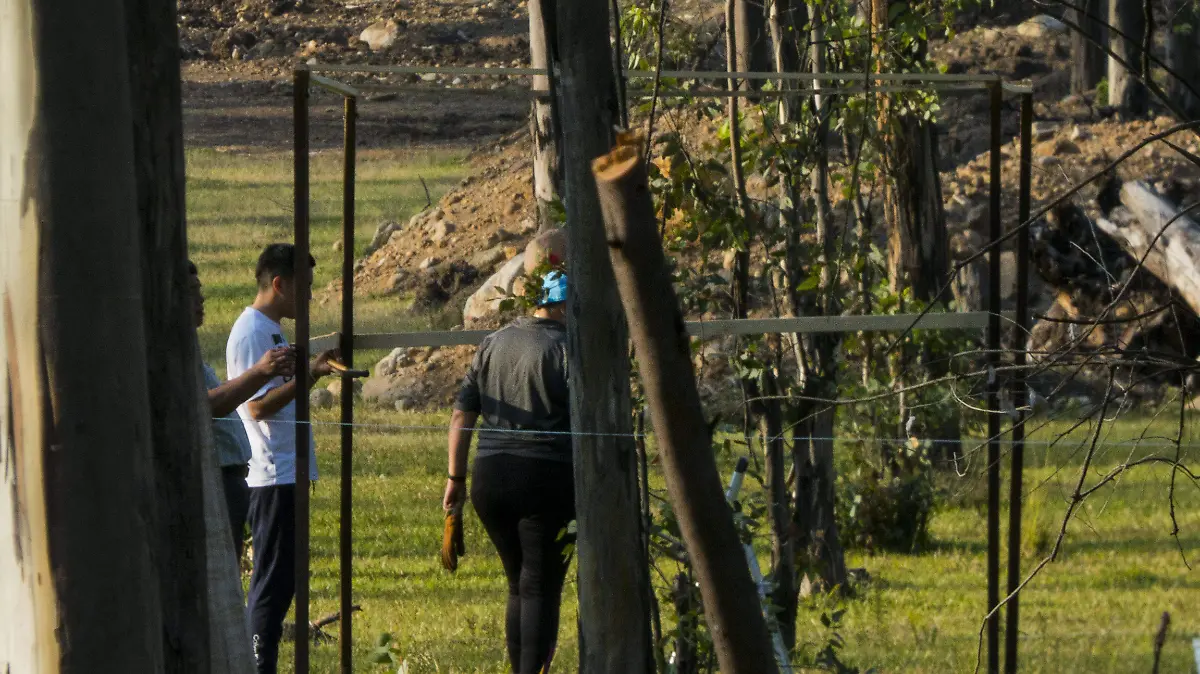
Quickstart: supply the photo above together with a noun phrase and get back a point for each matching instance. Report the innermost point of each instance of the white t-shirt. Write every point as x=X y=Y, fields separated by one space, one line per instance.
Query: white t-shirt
x=273 y=440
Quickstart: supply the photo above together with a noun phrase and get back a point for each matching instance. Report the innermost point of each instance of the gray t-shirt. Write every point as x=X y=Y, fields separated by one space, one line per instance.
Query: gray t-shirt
x=517 y=383
x=229 y=435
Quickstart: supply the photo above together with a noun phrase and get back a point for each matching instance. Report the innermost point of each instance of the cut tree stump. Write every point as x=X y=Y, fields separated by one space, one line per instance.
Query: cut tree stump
x=731 y=604
x=1170 y=244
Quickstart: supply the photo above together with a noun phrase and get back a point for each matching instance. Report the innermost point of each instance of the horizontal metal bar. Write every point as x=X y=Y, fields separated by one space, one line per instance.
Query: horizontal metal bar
x=1017 y=87
x=933 y=78
x=813 y=77
x=420 y=70
x=971 y=320
x=511 y=92
x=335 y=86
x=784 y=93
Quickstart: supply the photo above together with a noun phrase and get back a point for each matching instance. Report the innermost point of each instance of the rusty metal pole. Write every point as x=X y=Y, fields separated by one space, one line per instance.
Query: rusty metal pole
x=1020 y=391
x=303 y=277
x=349 y=140
x=993 y=387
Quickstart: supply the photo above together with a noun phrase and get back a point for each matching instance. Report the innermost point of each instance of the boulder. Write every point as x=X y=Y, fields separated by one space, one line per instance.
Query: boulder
x=1044 y=130
x=1042 y=26
x=335 y=387
x=380 y=35
x=440 y=230
x=549 y=246
x=320 y=399
x=487 y=259
x=485 y=302
x=385 y=391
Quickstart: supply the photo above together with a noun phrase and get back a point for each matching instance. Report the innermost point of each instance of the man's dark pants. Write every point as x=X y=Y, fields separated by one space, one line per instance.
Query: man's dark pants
x=237 y=502
x=273 y=583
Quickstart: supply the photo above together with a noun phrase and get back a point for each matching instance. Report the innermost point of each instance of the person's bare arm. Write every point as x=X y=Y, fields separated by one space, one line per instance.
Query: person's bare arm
x=278 y=398
x=224 y=399
x=462 y=427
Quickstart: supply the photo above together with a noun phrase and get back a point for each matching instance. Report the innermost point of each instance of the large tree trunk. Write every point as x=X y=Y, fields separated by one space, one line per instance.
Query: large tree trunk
x=172 y=356
x=731 y=605
x=541 y=121
x=1183 y=46
x=614 y=624
x=752 y=44
x=78 y=428
x=1171 y=252
x=1088 y=61
x=1125 y=91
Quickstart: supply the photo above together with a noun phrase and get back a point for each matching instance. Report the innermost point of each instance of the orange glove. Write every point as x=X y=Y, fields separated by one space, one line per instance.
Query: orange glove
x=452 y=540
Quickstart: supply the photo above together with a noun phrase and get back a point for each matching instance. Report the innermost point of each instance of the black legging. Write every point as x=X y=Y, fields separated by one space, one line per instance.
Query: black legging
x=525 y=504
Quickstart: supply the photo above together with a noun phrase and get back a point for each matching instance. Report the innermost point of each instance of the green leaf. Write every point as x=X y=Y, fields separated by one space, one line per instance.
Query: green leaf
x=383 y=640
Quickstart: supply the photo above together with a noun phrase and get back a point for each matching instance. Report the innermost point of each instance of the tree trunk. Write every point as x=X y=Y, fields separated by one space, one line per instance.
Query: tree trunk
x=783 y=553
x=614 y=625
x=172 y=354
x=541 y=120
x=28 y=640
x=1088 y=60
x=1173 y=251
x=78 y=428
x=1125 y=90
x=1183 y=46
x=731 y=605
x=752 y=45
x=818 y=544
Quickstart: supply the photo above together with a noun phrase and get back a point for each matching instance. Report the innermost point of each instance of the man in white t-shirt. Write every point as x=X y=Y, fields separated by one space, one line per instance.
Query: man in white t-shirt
x=229 y=435
x=269 y=418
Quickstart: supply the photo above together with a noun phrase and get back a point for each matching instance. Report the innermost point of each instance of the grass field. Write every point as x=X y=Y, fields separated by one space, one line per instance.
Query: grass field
x=1094 y=610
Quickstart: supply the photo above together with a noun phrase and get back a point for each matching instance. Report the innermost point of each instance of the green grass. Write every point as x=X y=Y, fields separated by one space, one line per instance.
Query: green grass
x=1094 y=610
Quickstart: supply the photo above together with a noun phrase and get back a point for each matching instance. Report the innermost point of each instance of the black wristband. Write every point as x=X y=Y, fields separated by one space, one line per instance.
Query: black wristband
x=457 y=478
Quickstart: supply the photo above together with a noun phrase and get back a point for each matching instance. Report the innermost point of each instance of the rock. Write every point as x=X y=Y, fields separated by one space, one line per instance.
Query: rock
x=396 y=283
x=1047 y=162
x=404 y=405
x=497 y=237
x=429 y=77
x=380 y=35
x=488 y=258
x=385 y=391
x=439 y=230
x=458 y=82
x=549 y=246
x=990 y=35
x=320 y=399
x=1080 y=133
x=335 y=387
x=1042 y=26
x=382 y=234
x=485 y=302
x=427 y=264
x=337 y=245
x=528 y=226
x=1054 y=148
x=398 y=357
x=1044 y=130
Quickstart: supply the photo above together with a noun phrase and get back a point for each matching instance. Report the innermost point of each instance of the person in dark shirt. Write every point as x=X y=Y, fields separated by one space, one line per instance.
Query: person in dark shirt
x=524 y=482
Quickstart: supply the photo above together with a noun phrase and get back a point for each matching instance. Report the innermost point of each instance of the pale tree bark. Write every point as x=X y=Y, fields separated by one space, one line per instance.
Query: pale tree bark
x=28 y=642
x=614 y=581
x=1183 y=46
x=541 y=121
x=1088 y=61
x=1125 y=91
x=731 y=605
x=78 y=208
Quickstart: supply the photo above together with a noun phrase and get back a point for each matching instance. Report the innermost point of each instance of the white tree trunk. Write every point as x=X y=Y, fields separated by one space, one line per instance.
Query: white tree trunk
x=541 y=122
x=27 y=639
x=1175 y=256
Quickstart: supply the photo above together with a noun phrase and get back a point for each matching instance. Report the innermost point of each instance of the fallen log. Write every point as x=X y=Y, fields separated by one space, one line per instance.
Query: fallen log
x=1155 y=230
x=731 y=605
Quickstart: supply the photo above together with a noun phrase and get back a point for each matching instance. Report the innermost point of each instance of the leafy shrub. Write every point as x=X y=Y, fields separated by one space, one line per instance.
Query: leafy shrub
x=887 y=508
